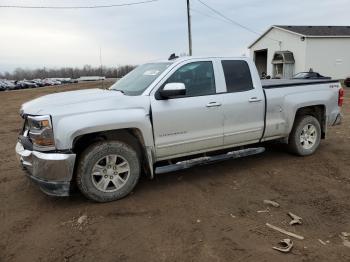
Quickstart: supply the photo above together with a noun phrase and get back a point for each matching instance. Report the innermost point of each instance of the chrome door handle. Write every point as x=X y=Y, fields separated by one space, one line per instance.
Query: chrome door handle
x=254 y=99
x=213 y=104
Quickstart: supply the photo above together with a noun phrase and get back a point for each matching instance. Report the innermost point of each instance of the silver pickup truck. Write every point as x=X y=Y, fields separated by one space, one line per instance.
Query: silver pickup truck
x=164 y=116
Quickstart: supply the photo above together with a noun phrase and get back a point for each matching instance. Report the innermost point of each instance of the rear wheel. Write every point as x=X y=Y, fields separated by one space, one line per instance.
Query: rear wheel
x=108 y=171
x=305 y=136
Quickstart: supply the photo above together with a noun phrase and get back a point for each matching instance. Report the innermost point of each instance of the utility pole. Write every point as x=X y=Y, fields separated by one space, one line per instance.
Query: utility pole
x=189 y=28
x=101 y=73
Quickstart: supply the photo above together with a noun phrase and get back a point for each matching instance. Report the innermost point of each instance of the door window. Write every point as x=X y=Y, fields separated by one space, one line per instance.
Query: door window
x=198 y=78
x=237 y=76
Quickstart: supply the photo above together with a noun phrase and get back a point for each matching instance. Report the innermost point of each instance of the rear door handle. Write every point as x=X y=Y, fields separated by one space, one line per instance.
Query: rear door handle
x=213 y=104
x=254 y=99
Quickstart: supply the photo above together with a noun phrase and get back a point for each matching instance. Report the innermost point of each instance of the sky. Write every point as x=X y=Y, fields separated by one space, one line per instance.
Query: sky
x=36 y=38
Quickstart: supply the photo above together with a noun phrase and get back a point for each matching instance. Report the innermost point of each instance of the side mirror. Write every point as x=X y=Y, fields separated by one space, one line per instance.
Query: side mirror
x=172 y=90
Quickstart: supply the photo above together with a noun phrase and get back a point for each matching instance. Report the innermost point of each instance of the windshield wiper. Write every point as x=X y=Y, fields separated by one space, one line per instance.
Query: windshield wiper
x=121 y=91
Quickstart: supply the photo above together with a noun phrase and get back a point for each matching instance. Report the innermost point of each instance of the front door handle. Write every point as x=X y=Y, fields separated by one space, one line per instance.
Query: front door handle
x=254 y=99
x=213 y=104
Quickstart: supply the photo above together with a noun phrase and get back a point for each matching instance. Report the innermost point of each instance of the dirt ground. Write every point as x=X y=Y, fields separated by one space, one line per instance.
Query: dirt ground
x=206 y=213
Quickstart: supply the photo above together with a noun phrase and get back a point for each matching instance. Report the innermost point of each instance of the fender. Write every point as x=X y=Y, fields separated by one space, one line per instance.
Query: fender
x=293 y=102
x=69 y=127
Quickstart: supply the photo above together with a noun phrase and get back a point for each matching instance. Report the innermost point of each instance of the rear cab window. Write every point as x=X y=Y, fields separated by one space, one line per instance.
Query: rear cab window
x=237 y=76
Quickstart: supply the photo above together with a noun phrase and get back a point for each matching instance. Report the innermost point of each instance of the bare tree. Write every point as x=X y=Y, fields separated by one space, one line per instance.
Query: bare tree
x=67 y=72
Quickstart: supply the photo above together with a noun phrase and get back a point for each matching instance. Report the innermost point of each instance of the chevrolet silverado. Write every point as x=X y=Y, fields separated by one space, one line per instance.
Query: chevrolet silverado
x=165 y=116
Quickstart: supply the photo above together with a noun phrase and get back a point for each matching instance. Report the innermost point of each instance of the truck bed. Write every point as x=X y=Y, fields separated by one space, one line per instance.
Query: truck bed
x=279 y=83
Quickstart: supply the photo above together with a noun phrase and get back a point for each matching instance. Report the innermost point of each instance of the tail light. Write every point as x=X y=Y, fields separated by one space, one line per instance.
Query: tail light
x=341 y=97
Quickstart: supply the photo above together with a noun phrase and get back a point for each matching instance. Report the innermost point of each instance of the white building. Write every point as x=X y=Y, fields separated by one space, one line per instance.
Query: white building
x=286 y=50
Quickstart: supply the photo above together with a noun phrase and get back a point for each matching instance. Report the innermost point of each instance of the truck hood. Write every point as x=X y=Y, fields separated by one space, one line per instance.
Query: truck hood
x=82 y=101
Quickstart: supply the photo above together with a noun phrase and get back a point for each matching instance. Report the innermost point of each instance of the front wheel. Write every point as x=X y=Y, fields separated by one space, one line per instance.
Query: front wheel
x=108 y=171
x=305 y=136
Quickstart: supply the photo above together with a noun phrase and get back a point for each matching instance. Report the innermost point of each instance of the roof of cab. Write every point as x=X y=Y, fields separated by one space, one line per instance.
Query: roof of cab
x=186 y=58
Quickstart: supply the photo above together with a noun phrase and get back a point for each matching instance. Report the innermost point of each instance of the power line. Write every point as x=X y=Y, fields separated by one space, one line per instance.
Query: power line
x=219 y=19
x=210 y=16
x=77 y=7
x=233 y=21
x=227 y=18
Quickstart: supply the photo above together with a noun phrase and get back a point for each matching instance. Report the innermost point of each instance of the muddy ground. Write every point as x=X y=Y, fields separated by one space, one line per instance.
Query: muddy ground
x=205 y=213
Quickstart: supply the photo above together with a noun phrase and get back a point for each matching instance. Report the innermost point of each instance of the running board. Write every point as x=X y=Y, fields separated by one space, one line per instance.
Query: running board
x=208 y=159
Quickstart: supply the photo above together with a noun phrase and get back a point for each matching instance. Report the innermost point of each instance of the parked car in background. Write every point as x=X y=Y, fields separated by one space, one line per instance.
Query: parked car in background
x=309 y=75
x=18 y=84
x=347 y=82
x=10 y=84
x=26 y=84
x=38 y=82
x=2 y=86
x=7 y=85
x=55 y=81
x=13 y=82
x=63 y=80
x=48 y=82
x=23 y=84
x=30 y=84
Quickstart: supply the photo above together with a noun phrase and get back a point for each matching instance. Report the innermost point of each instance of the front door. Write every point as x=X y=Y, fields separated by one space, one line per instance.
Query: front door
x=193 y=122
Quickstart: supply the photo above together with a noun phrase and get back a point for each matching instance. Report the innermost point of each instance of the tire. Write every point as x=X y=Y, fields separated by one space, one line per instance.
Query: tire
x=305 y=136
x=101 y=172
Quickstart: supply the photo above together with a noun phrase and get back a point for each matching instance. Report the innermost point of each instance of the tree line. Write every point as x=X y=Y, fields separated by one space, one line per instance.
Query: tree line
x=67 y=72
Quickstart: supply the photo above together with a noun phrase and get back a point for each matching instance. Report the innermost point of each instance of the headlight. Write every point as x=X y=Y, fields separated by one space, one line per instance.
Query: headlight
x=41 y=132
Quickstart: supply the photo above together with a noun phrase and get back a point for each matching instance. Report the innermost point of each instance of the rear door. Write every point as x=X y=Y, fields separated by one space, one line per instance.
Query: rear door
x=243 y=105
x=191 y=123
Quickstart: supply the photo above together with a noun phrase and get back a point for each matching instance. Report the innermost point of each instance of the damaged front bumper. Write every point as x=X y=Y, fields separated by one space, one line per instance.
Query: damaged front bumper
x=53 y=172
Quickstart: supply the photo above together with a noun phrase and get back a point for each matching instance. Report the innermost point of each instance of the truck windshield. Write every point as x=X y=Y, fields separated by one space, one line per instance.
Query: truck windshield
x=137 y=81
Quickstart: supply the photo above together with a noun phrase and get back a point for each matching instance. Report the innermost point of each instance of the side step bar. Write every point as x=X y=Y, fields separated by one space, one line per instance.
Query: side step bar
x=208 y=159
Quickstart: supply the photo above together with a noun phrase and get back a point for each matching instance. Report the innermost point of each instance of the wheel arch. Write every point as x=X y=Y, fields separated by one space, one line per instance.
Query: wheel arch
x=317 y=111
x=131 y=136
